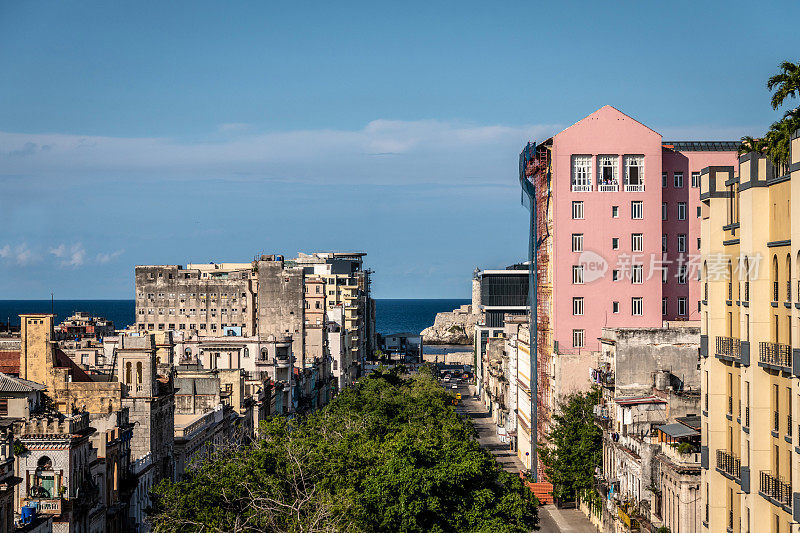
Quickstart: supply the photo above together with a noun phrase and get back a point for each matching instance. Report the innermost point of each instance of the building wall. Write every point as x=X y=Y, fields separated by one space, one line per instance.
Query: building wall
x=638 y=353
x=171 y=297
x=748 y=407
x=281 y=303
x=686 y=162
x=605 y=132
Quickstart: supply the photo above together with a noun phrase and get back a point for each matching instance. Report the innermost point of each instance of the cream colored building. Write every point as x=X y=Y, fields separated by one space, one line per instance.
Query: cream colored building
x=750 y=243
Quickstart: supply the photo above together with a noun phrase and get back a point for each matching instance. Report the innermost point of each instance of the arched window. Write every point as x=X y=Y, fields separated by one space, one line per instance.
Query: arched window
x=139 y=372
x=44 y=479
x=246 y=352
x=775 y=278
x=264 y=354
x=188 y=353
x=128 y=373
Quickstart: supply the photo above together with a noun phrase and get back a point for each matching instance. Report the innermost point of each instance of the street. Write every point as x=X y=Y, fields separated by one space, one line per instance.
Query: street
x=551 y=520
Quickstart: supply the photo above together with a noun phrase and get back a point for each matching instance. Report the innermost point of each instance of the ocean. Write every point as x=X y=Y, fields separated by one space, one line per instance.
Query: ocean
x=391 y=316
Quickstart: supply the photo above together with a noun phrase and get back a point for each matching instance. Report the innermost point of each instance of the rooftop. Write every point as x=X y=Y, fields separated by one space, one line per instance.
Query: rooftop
x=678 y=430
x=702 y=146
x=13 y=384
x=638 y=400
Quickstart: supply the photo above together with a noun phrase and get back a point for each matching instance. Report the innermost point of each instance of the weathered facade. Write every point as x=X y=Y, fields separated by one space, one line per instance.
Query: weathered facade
x=650 y=399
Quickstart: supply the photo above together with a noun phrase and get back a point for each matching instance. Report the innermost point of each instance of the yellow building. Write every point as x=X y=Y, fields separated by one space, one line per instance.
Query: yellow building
x=750 y=245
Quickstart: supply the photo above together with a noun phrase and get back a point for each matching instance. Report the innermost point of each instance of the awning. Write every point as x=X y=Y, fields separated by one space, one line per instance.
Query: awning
x=678 y=430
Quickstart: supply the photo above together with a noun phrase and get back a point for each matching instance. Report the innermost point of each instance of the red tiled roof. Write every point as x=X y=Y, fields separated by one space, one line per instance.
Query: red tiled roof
x=9 y=361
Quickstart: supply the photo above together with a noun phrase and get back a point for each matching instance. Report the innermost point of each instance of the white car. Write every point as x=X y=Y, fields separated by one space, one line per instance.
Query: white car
x=453 y=386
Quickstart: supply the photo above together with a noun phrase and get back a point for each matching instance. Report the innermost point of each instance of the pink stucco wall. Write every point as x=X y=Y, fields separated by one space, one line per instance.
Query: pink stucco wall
x=605 y=132
x=686 y=162
x=608 y=131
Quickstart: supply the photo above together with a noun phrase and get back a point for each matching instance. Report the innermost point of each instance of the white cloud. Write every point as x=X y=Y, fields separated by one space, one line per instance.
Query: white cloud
x=382 y=152
x=20 y=254
x=70 y=256
x=106 y=257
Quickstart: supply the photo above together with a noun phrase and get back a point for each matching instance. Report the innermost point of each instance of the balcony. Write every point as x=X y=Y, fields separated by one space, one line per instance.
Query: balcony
x=728 y=349
x=51 y=506
x=729 y=465
x=691 y=459
x=608 y=187
x=775 y=356
x=586 y=187
x=634 y=187
x=626 y=515
x=775 y=489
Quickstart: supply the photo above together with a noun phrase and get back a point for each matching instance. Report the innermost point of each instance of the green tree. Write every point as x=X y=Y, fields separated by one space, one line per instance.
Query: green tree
x=388 y=455
x=785 y=83
x=574 y=447
x=775 y=143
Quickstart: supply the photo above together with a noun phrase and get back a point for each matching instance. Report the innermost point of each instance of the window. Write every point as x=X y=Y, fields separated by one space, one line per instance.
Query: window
x=698 y=243
x=577 y=210
x=577 y=242
x=678 y=179
x=664 y=271
x=698 y=211
x=615 y=243
x=607 y=172
x=614 y=275
x=3 y=406
x=581 y=173
x=634 y=173
x=663 y=242
x=577 y=338
x=682 y=274
x=614 y=211
x=682 y=306
x=663 y=179
x=695 y=179
x=637 y=242
x=664 y=211
x=682 y=242
x=577 y=274
x=681 y=210
x=637 y=210
x=664 y=305
x=615 y=307
x=636 y=306
x=637 y=273
x=577 y=306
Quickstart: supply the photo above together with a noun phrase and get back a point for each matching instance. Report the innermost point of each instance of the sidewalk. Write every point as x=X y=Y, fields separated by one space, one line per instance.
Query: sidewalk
x=551 y=520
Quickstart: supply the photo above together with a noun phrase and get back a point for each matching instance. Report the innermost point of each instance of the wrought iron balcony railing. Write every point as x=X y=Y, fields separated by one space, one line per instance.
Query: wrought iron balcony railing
x=729 y=347
x=729 y=464
x=773 y=353
x=776 y=488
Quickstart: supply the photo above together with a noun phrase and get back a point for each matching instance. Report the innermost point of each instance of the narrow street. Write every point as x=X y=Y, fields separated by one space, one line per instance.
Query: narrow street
x=551 y=520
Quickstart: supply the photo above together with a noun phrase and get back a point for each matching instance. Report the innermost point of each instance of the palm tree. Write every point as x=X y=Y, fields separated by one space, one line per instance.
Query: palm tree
x=779 y=135
x=786 y=83
x=750 y=144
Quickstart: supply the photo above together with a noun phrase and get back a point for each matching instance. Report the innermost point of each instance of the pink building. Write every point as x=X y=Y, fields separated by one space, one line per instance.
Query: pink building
x=621 y=225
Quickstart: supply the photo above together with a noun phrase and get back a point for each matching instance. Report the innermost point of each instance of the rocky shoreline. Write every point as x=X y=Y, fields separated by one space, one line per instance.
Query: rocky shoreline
x=455 y=327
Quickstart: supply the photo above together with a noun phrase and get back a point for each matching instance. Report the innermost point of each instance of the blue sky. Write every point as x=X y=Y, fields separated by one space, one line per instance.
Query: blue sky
x=174 y=132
